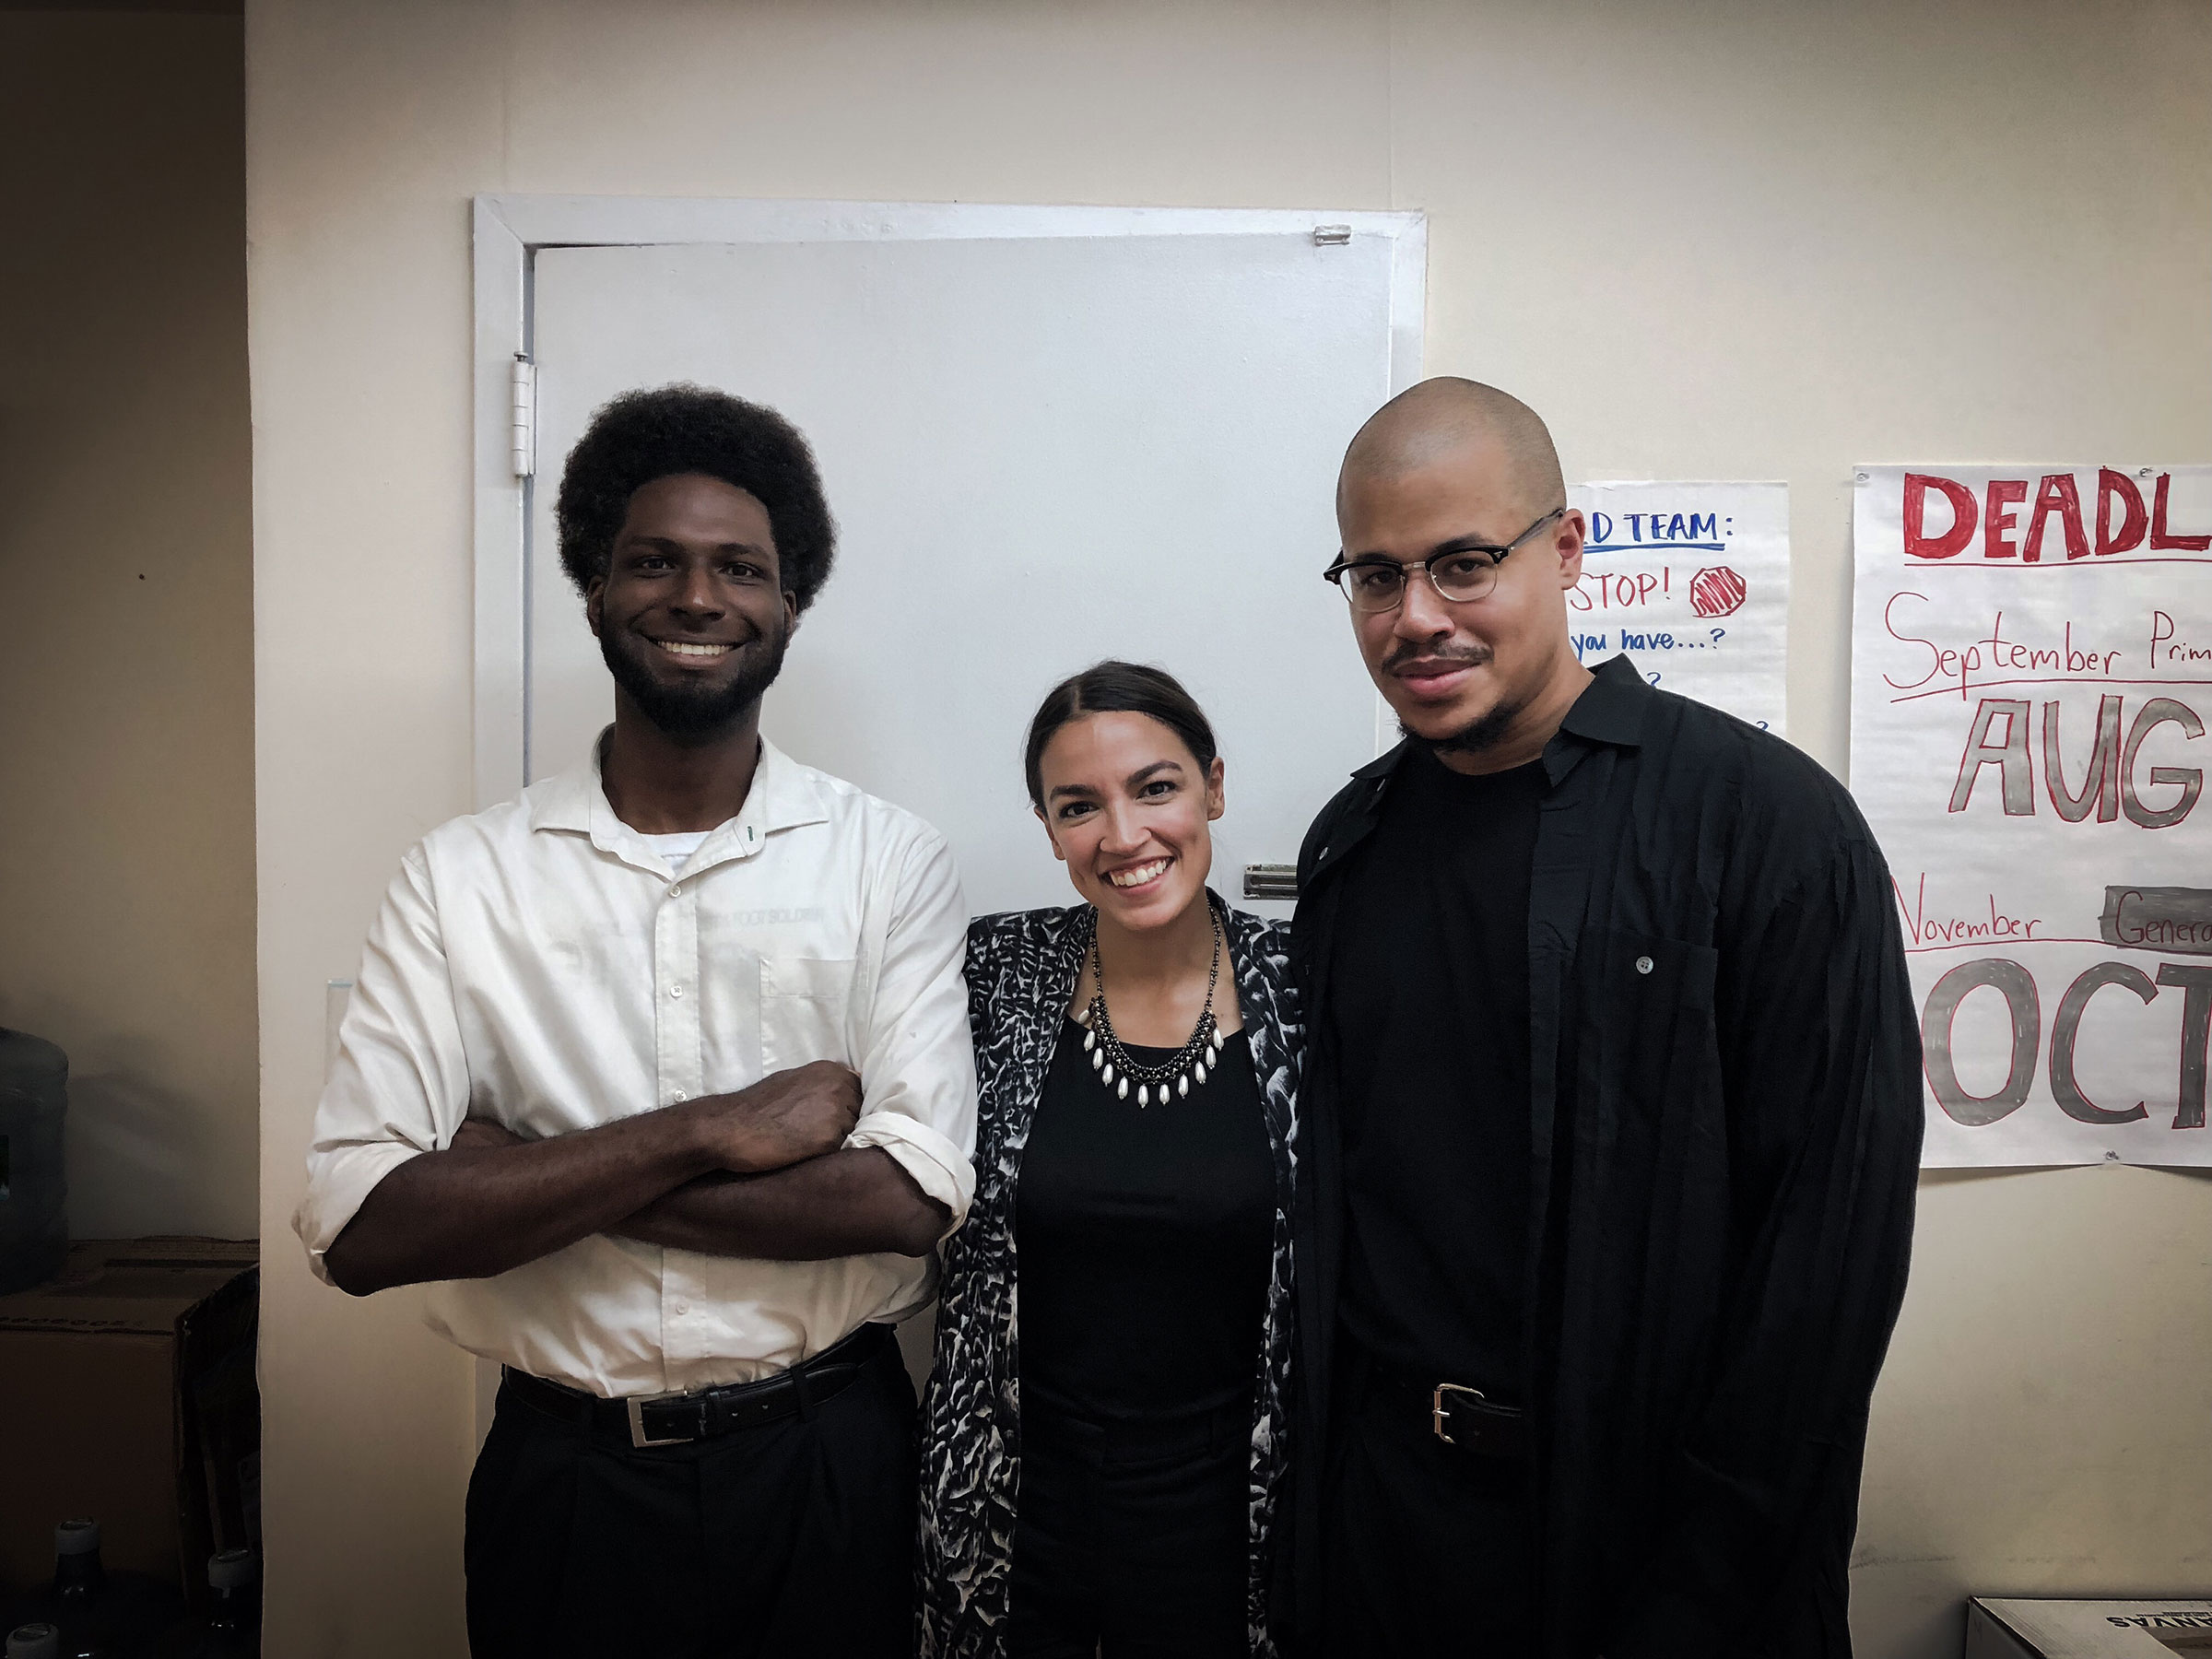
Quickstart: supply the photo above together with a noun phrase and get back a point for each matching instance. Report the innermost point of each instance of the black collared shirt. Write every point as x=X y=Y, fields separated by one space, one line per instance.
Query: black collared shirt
x=1725 y=1114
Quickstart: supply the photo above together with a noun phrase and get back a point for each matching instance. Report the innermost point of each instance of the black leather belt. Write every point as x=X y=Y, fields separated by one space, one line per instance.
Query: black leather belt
x=1457 y=1415
x=679 y=1418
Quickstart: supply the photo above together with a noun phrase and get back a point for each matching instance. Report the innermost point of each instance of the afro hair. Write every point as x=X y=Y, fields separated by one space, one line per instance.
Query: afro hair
x=668 y=431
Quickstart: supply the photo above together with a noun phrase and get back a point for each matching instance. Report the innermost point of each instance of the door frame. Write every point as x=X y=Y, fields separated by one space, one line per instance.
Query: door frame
x=510 y=229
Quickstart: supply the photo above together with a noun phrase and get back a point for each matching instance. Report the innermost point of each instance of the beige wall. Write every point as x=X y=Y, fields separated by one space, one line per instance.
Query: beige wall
x=126 y=711
x=1708 y=240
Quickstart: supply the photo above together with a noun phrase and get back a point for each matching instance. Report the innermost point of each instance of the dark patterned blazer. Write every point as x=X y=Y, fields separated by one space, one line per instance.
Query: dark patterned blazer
x=1021 y=980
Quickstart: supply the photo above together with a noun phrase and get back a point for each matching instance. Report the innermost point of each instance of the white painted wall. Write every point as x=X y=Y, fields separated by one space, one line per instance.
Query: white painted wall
x=1708 y=239
x=127 y=607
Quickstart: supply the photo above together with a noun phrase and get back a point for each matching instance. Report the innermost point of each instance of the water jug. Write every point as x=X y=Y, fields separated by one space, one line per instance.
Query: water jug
x=101 y=1615
x=34 y=1094
x=231 y=1627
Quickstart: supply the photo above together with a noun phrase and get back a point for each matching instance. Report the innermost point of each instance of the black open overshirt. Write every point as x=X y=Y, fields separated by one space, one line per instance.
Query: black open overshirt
x=1725 y=1120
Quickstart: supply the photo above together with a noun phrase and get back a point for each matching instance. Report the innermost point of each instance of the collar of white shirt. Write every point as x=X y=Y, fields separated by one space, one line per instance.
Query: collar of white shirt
x=783 y=796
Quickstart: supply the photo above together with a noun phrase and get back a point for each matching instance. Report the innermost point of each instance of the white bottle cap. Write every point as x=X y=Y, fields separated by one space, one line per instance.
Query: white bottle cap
x=34 y=1641
x=76 y=1538
x=232 y=1569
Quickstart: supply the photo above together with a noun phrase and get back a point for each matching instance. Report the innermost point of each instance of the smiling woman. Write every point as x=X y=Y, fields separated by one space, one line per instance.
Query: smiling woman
x=1137 y=1060
x=1122 y=774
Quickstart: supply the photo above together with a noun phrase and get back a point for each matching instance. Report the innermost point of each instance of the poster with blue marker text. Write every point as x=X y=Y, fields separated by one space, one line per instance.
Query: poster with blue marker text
x=2032 y=681
x=1693 y=581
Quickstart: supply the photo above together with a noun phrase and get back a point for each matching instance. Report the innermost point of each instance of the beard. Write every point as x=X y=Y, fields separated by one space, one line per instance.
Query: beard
x=691 y=710
x=1478 y=735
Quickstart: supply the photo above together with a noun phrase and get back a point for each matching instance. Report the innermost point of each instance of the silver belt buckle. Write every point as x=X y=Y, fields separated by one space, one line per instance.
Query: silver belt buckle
x=635 y=1405
x=1436 y=1407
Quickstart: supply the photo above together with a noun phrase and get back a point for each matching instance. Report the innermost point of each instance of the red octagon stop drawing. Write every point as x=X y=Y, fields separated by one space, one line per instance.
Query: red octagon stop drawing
x=1716 y=590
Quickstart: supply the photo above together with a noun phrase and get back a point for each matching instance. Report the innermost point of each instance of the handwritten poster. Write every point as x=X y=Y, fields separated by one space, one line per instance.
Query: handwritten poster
x=2032 y=676
x=1693 y=581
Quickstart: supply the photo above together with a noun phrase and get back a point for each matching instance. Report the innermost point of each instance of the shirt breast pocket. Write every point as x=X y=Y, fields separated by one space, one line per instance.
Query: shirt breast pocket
x=1647 y=1013
x=806 y=1009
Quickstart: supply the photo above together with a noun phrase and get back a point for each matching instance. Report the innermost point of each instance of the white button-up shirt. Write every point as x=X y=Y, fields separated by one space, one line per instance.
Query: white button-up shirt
x=540 y=965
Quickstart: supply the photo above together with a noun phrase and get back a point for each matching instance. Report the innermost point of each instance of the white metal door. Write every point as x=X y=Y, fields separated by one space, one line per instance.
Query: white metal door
x=1041 y=450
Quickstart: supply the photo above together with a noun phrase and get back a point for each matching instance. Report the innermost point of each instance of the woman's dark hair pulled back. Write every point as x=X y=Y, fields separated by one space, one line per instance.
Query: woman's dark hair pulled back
x=1118 y=688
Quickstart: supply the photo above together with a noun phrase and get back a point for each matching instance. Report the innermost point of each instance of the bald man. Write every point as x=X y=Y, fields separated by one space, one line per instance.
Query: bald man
x=1613 y=1115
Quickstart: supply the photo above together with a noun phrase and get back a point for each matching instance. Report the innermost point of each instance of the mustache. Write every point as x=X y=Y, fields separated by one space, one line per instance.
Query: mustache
x=1407 y=652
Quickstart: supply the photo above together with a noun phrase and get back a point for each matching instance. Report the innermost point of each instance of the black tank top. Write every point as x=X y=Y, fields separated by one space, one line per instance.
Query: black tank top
x=1144 y=1241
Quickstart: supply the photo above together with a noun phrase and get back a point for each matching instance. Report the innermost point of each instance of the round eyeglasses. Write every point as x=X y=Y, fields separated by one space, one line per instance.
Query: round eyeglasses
x=1459 y=575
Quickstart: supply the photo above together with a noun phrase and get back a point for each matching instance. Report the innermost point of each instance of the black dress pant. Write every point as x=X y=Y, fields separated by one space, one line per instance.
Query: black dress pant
x=796 y=1537
x=1131 y=1543
x=1427 y=1547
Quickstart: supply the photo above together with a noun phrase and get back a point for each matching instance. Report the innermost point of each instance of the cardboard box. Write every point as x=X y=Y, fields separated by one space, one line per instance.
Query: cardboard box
x=127 y=1394
x=2086 y=1630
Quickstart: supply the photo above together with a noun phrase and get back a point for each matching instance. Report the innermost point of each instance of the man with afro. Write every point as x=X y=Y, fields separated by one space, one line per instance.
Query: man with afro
x=660 y=1075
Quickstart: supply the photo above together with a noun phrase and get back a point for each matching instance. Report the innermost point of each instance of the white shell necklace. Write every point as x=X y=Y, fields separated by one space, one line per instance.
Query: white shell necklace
x=1192 y=1063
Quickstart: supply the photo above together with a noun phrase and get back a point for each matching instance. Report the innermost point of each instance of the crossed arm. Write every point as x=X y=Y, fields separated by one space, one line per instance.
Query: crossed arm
x=403 y=1188
x=760 y=1172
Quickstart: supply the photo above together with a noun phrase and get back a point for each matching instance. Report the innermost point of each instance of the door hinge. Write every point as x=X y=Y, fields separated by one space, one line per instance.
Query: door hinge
x=523 y=412
x=1332 y=235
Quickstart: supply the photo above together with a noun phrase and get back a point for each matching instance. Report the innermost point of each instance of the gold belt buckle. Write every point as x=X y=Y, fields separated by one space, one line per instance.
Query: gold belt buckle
x=1436 y=1406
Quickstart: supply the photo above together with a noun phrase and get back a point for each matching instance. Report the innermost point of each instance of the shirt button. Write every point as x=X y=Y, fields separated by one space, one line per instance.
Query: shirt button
x=682 y=1308
x=676 y=890
x=677 y=990
x=1644 y=964
x=677 y=1094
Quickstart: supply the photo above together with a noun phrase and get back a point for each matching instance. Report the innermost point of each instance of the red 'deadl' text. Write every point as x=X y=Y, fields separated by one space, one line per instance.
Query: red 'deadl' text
x=2019 y=519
